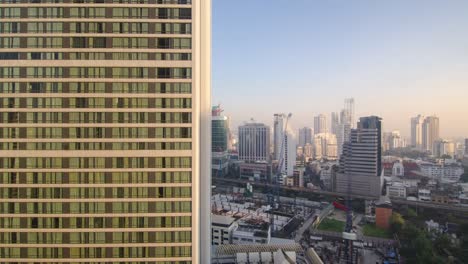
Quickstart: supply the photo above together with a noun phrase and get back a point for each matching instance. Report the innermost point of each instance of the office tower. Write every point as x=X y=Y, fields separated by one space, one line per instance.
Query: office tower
x=219 y=142
x=430 y=132
x=305 y=136
x=320 y=124
x=254 y=142
x=361 y=161
x=349 y=108
x=335 y=122
x=278 y=130
x=417 y=131
x=105 y=135
x=325 y=146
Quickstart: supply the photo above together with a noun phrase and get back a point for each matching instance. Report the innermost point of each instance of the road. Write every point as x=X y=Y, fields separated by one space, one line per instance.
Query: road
x=305 y=226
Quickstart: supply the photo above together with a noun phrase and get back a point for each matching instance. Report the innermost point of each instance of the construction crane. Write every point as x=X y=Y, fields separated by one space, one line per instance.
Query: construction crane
x=273 y=196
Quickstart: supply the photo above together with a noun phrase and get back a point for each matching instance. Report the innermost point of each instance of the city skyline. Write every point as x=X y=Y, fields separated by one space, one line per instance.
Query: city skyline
x=397 y=60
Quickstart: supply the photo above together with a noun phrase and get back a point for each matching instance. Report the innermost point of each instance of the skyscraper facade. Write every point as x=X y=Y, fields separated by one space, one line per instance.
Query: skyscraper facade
x=430 y=132
x=219 y=142
x=417 y=131
x=254 y=142
x=279 y=121
x=305 y=136
x=349 y=108
x=105 y=134
x=335 y=122
x=320 y=124
x=361 y=161
x=289 y=153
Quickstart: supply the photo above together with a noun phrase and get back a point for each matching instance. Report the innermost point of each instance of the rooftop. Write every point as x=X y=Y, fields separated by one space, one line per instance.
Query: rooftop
x=233 y=249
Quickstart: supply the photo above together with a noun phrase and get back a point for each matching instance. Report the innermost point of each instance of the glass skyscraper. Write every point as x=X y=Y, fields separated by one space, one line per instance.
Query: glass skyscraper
x=105 y=131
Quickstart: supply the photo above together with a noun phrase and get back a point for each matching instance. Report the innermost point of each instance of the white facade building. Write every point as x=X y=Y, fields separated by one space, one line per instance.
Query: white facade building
x=396 y=189
x=222 y=227
x=424 y=195
x=450 y=173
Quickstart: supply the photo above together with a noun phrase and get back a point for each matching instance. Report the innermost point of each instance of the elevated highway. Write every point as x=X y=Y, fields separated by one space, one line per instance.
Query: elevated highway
x=396 y=201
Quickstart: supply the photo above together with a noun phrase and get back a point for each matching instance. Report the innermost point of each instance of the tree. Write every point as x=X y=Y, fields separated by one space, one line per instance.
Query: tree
x=396 y=223
x=441 y=242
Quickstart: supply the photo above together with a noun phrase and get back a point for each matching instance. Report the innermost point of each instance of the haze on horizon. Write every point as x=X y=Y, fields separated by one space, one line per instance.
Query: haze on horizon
x=396 y=58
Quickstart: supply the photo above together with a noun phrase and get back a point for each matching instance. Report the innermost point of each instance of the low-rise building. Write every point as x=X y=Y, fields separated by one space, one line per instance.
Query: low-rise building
x=251 y=232
x=445 y=173
x=255 y=171
x=396 y=189
x=222 y=227
x=440 y=197
x=424 y=195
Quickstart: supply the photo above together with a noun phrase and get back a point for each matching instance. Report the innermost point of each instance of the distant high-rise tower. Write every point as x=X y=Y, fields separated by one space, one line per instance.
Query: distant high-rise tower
x=342 y=136
x=219 y=142
x=417 y=131
x=289 y=156
x=305 y=136
x=254 y=142
x=320 y=124
x=284 y=142
x=105 y=130
x=349 y=107
x=361 y=161
x=278 y=129
x=335 y=122
x=430 y=132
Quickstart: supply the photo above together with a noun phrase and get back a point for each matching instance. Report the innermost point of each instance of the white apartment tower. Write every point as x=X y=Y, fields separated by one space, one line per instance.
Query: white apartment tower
x=417 y=131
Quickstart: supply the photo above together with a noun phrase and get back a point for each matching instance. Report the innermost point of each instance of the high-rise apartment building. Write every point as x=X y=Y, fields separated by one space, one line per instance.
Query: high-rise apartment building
x=289 y=153
x=430 y=132
x=335 y=122
x=105 y=131
x=349 y=108
x=417 y=131
x=305 y=136
x=361 y=161
x=254 y=142
x=278 y=127
x=320 y=124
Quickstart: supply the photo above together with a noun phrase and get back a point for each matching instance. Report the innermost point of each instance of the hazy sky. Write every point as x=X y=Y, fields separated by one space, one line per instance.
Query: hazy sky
x=397 y=58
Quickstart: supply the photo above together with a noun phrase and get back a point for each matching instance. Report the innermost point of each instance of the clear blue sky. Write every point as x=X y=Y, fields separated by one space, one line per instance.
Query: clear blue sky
x=397 y=58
